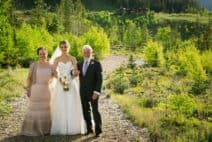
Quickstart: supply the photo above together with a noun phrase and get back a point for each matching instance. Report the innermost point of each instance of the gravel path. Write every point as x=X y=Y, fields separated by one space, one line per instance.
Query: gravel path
x=116 y=127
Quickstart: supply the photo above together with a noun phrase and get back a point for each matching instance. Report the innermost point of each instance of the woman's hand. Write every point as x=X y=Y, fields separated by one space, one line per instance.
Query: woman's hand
x=75 y=72
x=28 y=92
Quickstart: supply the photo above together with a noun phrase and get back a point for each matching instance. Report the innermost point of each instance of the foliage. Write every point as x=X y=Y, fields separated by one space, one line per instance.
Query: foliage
x=8 y=52
x=183 y=104
x=206 y=58
x=70 y=15
x=6 y=43
x=153 y=52
x=156 y=5
x=168 y=37
x=150 y=103
x=103 y=18
x=132 y=36
x=177 y=17
x=12 y=82
x=53 y=23
x=98 y=40
x=186 y=61
x=174 y=127
x=131 y=62
x=163 y=35
x=28 y=43
x=186 y=27
x=135 y=77
x=115 y=38
x=120 y=84
x=39 y=14
x=121 y=28
x=199 y=86
x=183 y=39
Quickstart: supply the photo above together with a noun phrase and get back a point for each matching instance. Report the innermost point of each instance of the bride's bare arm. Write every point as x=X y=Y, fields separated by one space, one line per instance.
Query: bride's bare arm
x=54 y=67
x=75 y=70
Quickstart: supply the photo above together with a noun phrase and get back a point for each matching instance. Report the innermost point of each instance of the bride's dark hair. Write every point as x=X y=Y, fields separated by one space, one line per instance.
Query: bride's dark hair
x=64 y=42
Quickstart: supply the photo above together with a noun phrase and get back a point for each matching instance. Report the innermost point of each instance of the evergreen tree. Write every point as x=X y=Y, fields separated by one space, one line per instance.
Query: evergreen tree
x=8 y=52
x=79 y=8
x=65 y=11
x=70 y=13
x=39 y=14
x=132 y=36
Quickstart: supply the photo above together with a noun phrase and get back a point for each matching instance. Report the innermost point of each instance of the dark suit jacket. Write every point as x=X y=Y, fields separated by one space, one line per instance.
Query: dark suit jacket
x=92 y=81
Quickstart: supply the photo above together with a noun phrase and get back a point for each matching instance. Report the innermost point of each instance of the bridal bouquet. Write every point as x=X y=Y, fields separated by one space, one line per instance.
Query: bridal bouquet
x=65 y=80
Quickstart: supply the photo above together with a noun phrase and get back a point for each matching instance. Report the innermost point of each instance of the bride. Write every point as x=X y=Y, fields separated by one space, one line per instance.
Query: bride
x=67 y=116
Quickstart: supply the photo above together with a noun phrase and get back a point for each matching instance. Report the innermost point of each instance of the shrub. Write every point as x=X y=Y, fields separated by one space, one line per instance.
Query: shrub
x=53 y=23
x=98 y=40
x=183 y=104
x=8 y=53
x=135 y=78
x=163 y=35
x=206 y=60
x=168 y=37
x=149 y=102
x=153 y=52
x=199 y=86
x=131 y=62
x=28 y=43
x=120 y=84
x=186 y=61
x=103 y=18
x=132 y=36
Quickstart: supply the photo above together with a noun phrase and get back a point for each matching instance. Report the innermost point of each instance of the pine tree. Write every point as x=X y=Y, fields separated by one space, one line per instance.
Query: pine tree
x=39 y=14
x=65 y=11
x=79 y=8
x=132 y=36
x=6 y=35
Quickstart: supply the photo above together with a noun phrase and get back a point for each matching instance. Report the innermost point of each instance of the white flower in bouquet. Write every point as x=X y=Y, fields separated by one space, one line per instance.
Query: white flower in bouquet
x=65 y=80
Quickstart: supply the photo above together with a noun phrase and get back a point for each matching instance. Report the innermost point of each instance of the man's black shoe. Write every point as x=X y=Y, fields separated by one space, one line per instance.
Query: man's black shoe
x=89 y=132
x=98 y=133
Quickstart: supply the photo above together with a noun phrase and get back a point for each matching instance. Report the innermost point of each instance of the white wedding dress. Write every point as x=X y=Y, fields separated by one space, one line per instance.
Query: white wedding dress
x=67 y=115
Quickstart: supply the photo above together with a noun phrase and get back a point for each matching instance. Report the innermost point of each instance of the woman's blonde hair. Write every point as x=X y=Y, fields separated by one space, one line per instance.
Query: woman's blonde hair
x=64 y=42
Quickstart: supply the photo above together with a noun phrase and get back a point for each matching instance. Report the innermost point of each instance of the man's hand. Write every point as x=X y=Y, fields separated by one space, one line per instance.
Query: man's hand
x=95 y=96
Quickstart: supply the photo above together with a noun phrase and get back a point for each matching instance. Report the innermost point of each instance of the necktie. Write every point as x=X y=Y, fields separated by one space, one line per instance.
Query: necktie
x=85 y=67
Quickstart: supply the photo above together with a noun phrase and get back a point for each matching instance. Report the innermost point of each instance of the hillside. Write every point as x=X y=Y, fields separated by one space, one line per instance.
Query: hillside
x=155 y=5
x=206 y=4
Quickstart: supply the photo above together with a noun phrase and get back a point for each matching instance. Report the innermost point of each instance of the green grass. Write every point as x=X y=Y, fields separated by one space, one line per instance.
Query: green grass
x=147 y=103
x=130 y=105
x=161 y=127
x=12 y=83
x=160 y=17
x=127 y=52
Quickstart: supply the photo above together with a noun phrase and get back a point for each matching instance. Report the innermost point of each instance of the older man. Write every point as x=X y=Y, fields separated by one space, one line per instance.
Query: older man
x=90 y=89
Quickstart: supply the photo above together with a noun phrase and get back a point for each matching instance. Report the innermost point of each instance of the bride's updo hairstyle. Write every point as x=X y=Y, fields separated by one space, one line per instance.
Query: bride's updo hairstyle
x=64 y=44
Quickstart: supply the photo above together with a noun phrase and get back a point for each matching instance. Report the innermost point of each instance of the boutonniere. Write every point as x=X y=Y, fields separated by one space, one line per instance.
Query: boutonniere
x=92 y=62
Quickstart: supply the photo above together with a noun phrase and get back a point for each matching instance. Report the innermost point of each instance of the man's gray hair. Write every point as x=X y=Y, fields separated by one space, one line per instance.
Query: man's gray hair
x=87 y=47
